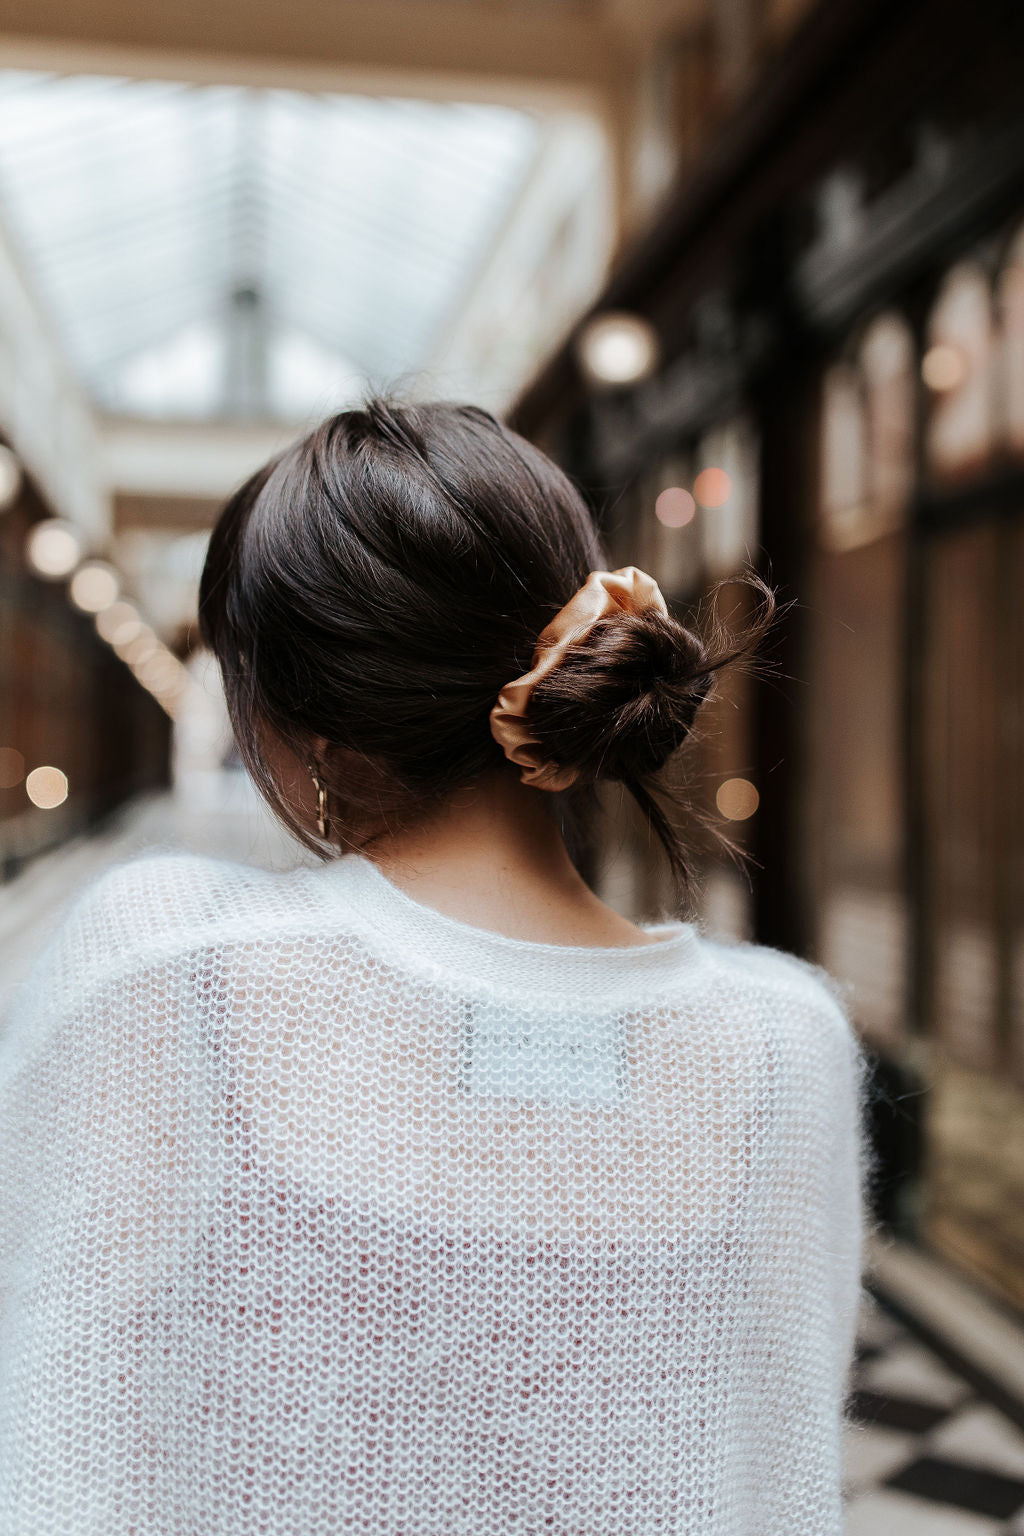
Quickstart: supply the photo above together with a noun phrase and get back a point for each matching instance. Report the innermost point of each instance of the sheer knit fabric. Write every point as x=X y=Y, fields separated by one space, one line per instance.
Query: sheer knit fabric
x=323 y=1212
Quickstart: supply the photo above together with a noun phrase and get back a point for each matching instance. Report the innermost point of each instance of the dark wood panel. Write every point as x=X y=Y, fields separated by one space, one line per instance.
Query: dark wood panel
x=855 y=816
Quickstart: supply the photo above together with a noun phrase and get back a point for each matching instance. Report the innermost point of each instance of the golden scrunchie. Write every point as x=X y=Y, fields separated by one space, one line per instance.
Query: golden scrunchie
x=628 y=590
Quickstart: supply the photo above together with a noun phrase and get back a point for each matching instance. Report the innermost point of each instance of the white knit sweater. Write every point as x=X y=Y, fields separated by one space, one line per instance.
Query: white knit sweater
x=323 y=1212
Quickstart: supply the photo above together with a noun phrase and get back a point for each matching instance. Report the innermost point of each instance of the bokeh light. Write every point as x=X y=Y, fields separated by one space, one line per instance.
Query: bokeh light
x=675 y=507
x=94 y=586
x=47 y=788
x=943 y=368
x=712 y=487
x=12 y=767
x=10 y=477
x=119 y=623
x=139 y=648
x=618 y=348
x=53 y=548
x=158 y=670
x=737 y=799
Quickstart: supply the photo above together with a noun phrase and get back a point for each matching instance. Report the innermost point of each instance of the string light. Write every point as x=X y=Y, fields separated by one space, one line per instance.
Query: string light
x=151 y=663
x=94 y=586
x=163 y=675
x=119 y=623
x=53 y=548
x=139 y=648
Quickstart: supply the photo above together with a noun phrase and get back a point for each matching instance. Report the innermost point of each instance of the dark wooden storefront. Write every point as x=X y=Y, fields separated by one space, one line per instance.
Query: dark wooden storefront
x=838 y=288
x=65 y=701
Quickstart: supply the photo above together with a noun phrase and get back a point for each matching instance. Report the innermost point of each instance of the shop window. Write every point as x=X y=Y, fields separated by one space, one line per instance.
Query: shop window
x=1011 y=314
x=673 y=520
x=625 y=531
x=959 y=374
x=867 y=437
x=974 y=757
x=1012 y=759
x=856 y=807
x=844 y=483
x=963 y=820
x=725 y=487
x=887 y=368
x=698 y=513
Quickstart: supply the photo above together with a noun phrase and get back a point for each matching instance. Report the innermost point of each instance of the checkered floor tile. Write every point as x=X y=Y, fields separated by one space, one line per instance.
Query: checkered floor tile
x=925 y=1453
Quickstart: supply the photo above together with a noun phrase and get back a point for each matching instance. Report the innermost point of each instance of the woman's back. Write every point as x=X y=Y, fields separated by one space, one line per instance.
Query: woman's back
x=332 y=1213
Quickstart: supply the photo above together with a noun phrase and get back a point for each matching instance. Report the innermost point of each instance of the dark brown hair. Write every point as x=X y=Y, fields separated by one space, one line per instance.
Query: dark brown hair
x=379 y=582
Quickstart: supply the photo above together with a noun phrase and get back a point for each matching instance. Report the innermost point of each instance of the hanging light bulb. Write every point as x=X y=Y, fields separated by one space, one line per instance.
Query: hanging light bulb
x=617 y=348
x=47 y=787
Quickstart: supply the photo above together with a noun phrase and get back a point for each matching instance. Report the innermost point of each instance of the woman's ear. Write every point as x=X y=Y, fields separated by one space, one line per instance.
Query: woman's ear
x=288 y=764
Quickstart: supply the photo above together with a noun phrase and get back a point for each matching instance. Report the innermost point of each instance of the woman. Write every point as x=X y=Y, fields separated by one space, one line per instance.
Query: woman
x=421 y=1192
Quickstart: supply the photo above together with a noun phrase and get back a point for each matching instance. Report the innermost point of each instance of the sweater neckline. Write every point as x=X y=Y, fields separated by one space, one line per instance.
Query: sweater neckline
x=427 y=936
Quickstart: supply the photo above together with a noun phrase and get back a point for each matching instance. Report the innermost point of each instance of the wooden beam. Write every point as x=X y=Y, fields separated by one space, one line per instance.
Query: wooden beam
x=164 y=514
x=201 y=459
x=852 y=67
x=442 y=48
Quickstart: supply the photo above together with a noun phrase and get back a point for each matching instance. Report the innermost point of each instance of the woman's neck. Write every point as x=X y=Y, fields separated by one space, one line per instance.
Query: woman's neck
x=493 y=856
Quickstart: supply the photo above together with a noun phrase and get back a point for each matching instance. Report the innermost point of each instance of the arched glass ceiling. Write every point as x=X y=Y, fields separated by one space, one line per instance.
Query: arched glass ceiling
x=216 y=250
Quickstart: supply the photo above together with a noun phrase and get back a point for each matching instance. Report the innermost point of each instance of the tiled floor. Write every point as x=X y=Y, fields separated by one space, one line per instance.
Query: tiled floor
x=925 y=1453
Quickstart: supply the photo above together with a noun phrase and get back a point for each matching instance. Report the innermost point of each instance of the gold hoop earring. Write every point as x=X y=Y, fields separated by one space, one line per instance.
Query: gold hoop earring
x=323 y=818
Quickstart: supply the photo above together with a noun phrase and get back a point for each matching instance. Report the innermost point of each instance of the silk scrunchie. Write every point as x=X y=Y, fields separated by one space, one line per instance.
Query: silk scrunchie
x=628 y=590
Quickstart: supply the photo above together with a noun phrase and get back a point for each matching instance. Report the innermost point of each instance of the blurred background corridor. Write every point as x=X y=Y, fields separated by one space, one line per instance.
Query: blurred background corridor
x=752 y=271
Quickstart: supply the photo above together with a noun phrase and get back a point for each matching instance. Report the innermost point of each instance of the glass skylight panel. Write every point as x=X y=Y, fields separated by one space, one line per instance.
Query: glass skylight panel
x=354 y=226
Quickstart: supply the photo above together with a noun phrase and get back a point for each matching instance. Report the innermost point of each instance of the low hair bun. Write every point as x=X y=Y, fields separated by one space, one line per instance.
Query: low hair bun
x=627 y=695
x=370 y=592
x=623 y=699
